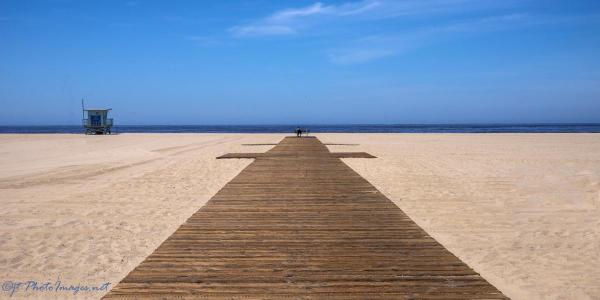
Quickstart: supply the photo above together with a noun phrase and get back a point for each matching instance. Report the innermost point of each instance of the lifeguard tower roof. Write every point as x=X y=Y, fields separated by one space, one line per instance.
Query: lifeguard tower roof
x=102 y=109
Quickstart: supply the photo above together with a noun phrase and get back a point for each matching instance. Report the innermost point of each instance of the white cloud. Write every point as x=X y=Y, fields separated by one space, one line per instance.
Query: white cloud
x=377 y=47
x=356 y=56
x=206 y=41
x=291 y=20
x=294 y=20
x=390 y=41
x=288 y=14
x=258 y=30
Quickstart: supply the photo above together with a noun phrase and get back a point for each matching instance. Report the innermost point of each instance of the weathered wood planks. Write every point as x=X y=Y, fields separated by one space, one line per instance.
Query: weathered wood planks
x=272 y=155
x=299 y=223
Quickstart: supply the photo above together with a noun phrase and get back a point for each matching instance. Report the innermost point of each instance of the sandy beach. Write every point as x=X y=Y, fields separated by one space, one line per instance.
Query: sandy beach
x=523 y=210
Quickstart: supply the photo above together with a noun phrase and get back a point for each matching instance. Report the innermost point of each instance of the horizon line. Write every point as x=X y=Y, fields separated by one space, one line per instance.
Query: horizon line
x=332 y=124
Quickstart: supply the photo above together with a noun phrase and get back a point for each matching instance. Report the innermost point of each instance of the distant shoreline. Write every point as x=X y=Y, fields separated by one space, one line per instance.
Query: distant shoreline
x=343 y=128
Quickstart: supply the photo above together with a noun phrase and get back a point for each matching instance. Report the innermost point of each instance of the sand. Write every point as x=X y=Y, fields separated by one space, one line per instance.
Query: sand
x=521 y=209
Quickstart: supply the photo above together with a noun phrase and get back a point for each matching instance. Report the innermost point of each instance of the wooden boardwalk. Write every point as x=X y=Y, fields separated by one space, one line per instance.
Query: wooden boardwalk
x=298 y=223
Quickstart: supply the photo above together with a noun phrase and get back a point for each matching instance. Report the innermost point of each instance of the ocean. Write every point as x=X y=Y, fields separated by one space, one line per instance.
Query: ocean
x=349 y=128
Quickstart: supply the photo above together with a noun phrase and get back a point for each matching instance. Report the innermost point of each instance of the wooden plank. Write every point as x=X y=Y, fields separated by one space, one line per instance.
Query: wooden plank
x=352 y=155
x=299 y=223
x=279 y=155
x=241 y=155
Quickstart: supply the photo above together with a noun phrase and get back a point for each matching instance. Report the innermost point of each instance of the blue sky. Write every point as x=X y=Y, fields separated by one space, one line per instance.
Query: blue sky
x=299 y=62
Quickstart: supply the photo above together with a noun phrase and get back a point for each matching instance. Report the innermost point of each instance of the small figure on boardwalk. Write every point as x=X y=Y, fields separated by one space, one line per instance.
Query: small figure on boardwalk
x=298 y=132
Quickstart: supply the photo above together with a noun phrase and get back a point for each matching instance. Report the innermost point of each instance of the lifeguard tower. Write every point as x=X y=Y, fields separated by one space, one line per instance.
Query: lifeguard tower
x=97 y=121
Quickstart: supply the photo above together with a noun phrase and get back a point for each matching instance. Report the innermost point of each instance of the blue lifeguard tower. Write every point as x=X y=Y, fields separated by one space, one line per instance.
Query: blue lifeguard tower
x=97 y=121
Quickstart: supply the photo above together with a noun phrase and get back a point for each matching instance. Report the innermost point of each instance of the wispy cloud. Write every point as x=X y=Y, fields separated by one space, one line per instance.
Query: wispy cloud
x=385 y=40
x=391 y=9
x=205 y=41
x=346 y=9
x=359 y=55
x=380 y=46
x=294 y=20
x=293 y=13
x=261 y=29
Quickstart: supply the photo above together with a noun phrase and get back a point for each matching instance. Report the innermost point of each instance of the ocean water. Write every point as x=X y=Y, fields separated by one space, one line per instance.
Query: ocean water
x=351 y=128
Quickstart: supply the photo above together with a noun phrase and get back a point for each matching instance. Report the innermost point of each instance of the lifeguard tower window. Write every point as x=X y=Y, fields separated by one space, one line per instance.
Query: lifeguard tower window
x=95 y=120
